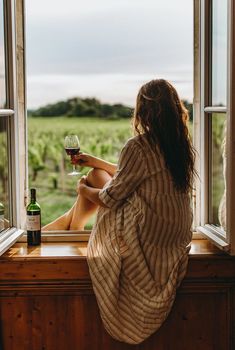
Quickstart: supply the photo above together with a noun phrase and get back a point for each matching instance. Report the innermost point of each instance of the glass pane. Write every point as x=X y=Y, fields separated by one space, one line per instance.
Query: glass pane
x=4 y=176
x=218 y=171
x=2 y=60
x=219 y=52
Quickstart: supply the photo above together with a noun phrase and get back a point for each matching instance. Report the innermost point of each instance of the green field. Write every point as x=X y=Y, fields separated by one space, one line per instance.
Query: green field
x=49 y=165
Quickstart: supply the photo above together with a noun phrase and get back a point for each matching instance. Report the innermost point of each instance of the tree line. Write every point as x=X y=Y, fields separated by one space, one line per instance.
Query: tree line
x=83 y=107
x=89 y=107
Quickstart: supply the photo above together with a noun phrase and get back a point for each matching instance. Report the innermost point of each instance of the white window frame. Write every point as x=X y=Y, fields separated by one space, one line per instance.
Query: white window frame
x=18 y=126
x=15 y=114
x=202 y=109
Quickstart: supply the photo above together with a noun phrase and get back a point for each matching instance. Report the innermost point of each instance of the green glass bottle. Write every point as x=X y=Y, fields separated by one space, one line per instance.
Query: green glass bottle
x=33 y=220
x=2 y=209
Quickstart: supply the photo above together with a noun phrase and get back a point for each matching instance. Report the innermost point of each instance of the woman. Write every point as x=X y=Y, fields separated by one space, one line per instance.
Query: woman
x=138 y=249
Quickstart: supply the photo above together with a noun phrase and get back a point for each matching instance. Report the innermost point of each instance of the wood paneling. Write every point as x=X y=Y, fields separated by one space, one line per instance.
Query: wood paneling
x=47 y=302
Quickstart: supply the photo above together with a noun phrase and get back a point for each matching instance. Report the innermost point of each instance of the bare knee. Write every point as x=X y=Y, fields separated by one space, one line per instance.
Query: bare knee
x=98 y=177
x=95 y=175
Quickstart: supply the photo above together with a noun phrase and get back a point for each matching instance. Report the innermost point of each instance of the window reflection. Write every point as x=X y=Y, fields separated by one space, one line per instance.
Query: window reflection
x=219 y=52
x=218 y=170
x=2 y=60
x=4 y=192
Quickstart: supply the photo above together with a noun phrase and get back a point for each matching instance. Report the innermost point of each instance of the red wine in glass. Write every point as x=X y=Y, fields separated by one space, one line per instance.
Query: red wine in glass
x=72 y=148
x=72 y=151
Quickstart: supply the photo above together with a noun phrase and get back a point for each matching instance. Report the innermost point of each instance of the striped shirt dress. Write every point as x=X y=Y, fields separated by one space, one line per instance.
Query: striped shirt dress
x=138 y=248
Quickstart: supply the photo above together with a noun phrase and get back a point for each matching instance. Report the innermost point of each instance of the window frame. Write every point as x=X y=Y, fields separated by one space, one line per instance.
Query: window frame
x=14 y=26
x=15 y=115
x=203 y=109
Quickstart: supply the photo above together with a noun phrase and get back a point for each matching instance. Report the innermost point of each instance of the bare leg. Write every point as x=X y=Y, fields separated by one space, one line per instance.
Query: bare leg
x=61 y=223
x=81 y=211
x=84 y=208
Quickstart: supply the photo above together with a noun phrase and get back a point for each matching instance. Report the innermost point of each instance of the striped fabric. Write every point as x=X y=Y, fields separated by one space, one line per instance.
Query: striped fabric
x=138 y=249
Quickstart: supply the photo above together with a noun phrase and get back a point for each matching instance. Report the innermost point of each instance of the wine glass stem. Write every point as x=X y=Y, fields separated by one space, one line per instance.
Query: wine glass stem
x=74 y=167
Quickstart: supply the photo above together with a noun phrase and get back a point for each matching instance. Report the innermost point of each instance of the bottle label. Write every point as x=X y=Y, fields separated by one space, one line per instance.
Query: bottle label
x=1 y=222
x=33 y=223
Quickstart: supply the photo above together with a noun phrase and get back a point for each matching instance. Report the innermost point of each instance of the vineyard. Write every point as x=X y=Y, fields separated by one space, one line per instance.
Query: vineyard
x=49 y=165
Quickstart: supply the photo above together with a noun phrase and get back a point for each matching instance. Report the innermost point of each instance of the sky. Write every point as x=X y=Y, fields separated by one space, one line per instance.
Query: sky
x=106 y=48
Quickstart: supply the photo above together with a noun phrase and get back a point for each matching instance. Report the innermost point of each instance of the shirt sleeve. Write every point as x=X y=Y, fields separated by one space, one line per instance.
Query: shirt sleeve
x=131 y=171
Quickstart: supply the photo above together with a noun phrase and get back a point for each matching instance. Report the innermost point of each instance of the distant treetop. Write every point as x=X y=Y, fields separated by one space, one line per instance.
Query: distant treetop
x=88 y=107
x=83 y=107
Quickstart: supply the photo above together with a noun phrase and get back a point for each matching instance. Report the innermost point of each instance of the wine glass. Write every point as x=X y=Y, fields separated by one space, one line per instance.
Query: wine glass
x=72 y=147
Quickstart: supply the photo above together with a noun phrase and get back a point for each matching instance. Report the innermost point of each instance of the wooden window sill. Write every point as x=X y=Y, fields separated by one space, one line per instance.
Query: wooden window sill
x=65 y=250
x=56 y=261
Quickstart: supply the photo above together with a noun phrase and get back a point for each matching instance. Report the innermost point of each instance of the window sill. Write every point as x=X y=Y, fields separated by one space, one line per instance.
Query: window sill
x=78 y=236
x=74 y=249
x=60 y=268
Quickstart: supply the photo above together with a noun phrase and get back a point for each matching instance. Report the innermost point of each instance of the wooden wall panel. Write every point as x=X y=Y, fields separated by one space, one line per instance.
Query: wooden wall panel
x=199 y=320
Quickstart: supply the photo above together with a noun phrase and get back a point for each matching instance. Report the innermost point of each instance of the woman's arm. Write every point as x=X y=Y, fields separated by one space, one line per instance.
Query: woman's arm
x=132 y=171
x=111 y=168
x=84 y=159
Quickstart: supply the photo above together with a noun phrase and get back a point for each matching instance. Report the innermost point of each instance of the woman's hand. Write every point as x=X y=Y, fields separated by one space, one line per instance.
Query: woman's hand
x=89 y=192
x=84 y=159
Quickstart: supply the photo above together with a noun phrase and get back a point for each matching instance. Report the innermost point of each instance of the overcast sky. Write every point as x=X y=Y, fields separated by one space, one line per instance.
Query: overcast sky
x=107 y=48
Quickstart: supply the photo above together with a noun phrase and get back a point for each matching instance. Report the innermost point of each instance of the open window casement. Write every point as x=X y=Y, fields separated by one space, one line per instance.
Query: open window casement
x=214 y=121
x=12 y=122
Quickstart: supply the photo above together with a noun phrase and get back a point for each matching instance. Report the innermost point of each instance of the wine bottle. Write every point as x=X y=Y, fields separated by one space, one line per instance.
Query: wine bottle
x=1 y=216
x=33 y=220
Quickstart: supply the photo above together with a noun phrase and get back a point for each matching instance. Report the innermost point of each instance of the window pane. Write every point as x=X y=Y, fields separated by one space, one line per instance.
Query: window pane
x=2 y=60
x=218 y=171
x=85 y=57
x=219 y=52
x=4 y=176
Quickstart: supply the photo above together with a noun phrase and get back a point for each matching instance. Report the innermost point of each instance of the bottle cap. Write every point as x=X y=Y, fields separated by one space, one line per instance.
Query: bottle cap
x=33 y=192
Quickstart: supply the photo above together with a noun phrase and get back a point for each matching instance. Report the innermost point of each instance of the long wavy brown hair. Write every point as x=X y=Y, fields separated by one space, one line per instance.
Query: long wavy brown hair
x=162 y=116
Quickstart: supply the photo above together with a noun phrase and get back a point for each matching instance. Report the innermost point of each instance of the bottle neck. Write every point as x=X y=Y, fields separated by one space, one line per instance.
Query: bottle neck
x=33 y=195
